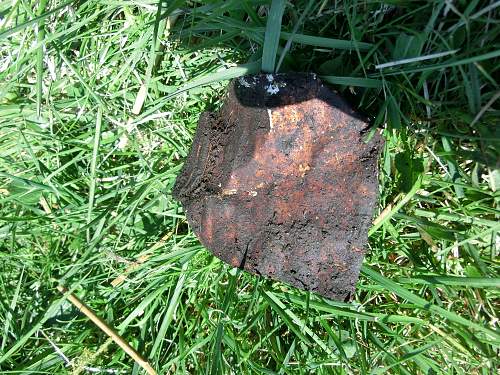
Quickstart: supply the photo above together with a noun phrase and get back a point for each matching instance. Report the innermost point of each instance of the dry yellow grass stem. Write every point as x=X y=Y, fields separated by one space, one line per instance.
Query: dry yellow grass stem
x=109 y=331
x=141 y=259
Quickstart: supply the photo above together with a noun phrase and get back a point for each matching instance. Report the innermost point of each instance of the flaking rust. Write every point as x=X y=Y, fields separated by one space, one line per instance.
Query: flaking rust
x=280 y=183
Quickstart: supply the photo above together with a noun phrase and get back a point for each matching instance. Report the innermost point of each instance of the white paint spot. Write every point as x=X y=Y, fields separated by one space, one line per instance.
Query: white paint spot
x=229 y=191
x=273 y=89
x=242 y=82
x=270 y=77
x=270 y=114
x=123 y=142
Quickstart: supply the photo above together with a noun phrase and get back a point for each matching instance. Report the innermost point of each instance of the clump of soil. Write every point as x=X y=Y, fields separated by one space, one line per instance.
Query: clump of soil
x=280 y=183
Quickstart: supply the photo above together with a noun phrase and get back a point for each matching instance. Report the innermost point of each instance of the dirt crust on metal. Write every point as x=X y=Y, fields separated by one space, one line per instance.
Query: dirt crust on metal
x=280 y=183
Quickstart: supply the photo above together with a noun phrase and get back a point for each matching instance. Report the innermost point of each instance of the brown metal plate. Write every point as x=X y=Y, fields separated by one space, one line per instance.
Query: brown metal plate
x=280 y=183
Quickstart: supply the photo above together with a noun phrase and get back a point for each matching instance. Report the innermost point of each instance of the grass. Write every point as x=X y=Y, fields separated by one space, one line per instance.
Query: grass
x=99 y=101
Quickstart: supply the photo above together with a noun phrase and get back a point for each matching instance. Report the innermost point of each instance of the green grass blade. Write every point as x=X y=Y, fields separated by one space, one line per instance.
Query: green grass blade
x=446 y=65
x=272 y=36
x=354 y=81
x=397 y=207
x=294 y=32
x=223 y=75
x=12 y=308
x=215 y=367
x=169 y=314
x=93 y=164
x=295 y=323
x=34 y=327
x=416 y=59
x=33 y=21
x=424 y=304
x=464 y=282
x=348 y=311
x=39 y=58
x=332 y=43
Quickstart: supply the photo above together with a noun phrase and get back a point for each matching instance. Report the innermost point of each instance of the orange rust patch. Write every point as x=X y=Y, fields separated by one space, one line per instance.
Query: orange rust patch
x=235 y=262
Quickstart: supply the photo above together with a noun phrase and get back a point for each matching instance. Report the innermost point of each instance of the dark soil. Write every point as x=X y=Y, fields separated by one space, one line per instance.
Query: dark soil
x=280 y=183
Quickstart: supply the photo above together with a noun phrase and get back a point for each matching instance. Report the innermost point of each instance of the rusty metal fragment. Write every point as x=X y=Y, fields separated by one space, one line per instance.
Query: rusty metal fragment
x=280 y=183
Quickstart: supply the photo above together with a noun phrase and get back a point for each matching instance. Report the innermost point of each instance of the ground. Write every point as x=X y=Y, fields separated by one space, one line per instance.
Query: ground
x=99 y=102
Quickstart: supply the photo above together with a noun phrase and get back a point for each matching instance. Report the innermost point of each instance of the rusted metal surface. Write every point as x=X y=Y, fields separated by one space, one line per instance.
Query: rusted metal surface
x=280 y=183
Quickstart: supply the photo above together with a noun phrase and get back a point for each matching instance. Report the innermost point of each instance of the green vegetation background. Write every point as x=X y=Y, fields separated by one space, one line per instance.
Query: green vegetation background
x=99 y=101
